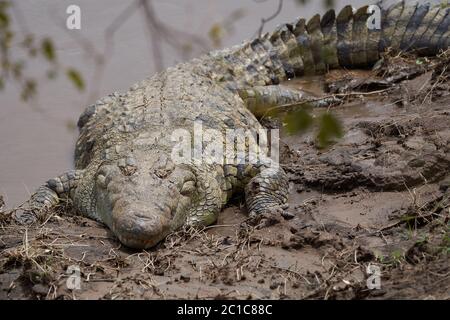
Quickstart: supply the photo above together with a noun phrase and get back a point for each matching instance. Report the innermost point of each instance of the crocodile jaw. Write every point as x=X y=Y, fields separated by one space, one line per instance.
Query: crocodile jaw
x=141 y=209
x=138 y=225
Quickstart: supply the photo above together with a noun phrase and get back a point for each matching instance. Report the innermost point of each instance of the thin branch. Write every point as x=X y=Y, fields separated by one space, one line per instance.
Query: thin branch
x=153 y=29
x=273 y=16
x=100 y=57
x=117 y=23
x=160 y=31
x=21 y=21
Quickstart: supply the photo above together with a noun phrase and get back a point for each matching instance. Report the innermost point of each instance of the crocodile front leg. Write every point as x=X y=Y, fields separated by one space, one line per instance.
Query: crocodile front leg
x=49 y=194
x=266 y=191
x=260 y=100
x=211 y=196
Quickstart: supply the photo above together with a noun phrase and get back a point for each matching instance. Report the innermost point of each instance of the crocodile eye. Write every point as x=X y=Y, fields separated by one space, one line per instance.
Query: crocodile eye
x=187 y=188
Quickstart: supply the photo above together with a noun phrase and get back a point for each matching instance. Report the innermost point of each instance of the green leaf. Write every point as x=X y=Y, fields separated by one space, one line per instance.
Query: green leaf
x=237 y=14
x=48 y=49
x=71 y=125
x=28 y=44
x=28 y=89
x=17 y=69
x=7 y=38
x=216 y=34
x=4 y=19
x=330 y=129
x=4 y=4
x=28 y=41
x=328 y=4
x=76 y=78
x=298 y=121
x=32 y=52
x=51 y=74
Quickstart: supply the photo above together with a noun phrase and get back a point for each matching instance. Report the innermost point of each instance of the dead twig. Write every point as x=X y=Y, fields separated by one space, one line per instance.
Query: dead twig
x=273 y=16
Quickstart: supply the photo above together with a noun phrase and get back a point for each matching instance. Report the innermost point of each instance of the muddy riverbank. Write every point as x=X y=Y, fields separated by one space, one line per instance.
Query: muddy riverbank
x=376 y=202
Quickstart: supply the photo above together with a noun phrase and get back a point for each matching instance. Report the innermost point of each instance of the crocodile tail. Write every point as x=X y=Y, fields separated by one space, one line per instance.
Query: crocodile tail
x=344 y=40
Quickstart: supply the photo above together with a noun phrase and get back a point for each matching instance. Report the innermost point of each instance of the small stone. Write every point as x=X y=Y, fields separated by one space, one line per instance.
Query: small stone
x=274 y=285
x=122 y=163
x=40 y=289
x=417 y=163
x=287 y=215
x=443 y=185
x=131 y=162
x=414 y=143
x=159 y=272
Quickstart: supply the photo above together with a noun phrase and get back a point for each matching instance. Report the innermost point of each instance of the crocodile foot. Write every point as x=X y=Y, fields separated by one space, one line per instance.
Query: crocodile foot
x=269 y=217
x=25 y=217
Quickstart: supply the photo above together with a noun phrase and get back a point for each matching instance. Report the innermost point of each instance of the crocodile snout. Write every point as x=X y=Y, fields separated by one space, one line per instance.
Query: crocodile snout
x=140 y=228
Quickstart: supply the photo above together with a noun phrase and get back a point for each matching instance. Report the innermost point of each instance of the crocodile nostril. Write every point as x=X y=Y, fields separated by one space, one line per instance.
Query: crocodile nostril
x=164 y=209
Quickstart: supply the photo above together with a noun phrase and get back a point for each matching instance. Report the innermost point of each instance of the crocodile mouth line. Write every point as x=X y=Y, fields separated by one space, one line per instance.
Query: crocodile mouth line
x=139 y=243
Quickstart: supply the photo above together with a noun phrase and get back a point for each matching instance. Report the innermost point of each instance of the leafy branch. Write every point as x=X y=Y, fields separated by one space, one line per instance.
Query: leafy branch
x=12 y=68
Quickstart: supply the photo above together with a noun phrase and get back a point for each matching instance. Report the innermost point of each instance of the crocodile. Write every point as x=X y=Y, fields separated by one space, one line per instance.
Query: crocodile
x=125 y=175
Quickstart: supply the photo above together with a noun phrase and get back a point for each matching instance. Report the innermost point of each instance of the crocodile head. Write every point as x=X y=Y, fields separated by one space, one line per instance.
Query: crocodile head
x=142 y=203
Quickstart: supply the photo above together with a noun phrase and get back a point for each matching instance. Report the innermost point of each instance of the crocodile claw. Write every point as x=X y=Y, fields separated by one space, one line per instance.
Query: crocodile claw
x=269 y=217
x=26 y=217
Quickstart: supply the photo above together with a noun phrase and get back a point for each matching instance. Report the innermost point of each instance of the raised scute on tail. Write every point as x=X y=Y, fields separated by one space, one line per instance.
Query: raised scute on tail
x=342 y=40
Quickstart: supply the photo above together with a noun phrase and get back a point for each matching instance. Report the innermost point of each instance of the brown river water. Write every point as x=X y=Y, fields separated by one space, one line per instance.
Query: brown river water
x=37 y=139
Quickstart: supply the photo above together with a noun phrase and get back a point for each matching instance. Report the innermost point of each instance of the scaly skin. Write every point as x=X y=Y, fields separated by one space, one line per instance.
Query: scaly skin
x=125 y=176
